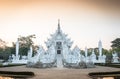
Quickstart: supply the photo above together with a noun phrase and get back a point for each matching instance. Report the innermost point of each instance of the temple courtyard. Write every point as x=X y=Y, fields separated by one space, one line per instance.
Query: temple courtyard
x=60 y=73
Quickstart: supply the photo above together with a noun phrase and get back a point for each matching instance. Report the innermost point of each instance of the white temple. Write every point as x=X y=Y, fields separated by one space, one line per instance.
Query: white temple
x=59 y=53
x=58 y=50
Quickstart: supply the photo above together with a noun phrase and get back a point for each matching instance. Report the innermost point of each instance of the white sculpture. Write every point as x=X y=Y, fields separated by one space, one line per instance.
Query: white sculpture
x=38 y=56
x=17 y=50
x=66 y=52
x=115 y=58
x=51 y=54
x=93 y=56
x=13 y=56
x=16 y=58
x=86 y=52
x=104 y=58
x=30 y=52
x=101 y=58
x=76 y=53
x=100 y=47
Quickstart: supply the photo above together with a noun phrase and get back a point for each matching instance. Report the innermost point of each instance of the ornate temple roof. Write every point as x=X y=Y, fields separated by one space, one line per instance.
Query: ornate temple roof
x=59 y=36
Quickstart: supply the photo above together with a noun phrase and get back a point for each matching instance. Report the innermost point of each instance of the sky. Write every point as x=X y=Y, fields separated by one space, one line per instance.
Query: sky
x=85 y=21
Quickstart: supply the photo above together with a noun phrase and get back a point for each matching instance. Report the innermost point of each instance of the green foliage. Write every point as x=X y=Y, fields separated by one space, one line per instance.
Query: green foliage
x=105 y=51
x=12 y=49
x=8 y=51
x=4 y=50
x=2 y=44
x=96 y=51
x=4 y=55
x=82 y=52
x=116 y=45
x=25 y=43
x=109 y=57
x=90 y=51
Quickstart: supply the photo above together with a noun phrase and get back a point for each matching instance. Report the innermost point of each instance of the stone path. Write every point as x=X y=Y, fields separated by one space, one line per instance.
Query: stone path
x=60 y=73
x=59 y=61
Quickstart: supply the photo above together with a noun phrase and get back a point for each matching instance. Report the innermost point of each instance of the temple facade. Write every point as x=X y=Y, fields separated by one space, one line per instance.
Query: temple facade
x=59 y=53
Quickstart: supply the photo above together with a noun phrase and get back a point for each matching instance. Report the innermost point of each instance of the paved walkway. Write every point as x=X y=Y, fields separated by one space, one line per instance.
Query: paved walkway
x=59 y=61
x=60 y=73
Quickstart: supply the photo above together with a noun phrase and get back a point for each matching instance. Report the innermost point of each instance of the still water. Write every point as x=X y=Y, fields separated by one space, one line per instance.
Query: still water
x=108 y=78
x=105 y=78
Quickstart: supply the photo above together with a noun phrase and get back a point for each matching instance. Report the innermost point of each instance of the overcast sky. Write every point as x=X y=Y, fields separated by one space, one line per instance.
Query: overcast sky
x=85 y=21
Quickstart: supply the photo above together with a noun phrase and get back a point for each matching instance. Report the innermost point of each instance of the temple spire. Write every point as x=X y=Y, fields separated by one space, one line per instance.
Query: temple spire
x=58 y=25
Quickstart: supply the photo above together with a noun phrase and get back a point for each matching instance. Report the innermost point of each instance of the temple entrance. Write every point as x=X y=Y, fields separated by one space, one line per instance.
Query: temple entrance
x=58 y=47
x=59 y=54
x=58 y=51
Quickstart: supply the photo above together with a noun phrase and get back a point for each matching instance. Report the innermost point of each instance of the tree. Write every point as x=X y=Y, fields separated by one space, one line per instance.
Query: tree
x=13 y=48
x=116 y=45
x=90 y=51
x=109 y=56
x=82 y=52
x=4 y=50
x=2 y=44
x=96 y=51
x=25 y=43
x=105 y=51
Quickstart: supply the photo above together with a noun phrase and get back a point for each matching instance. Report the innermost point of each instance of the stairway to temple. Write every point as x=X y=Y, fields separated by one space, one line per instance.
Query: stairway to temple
x=59 y=61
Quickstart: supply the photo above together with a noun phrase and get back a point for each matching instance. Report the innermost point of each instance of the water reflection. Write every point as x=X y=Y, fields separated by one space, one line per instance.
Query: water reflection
x=5 y=77
x=104 y=78
x=108 y=78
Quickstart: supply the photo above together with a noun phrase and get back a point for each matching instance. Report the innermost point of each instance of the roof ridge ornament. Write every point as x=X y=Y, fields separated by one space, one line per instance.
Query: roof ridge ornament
x=58 y=25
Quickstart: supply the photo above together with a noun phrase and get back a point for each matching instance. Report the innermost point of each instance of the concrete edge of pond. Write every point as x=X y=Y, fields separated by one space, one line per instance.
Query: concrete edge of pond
x=15 y=74
x=114 y=74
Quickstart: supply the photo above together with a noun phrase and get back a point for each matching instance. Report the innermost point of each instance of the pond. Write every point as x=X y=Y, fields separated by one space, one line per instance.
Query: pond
x=5 y=77
x=108 y=78
x=103 y=78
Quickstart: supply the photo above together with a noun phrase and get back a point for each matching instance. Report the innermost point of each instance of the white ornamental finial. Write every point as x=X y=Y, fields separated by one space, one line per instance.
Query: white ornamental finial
x=58 y=22
x=58 y=25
